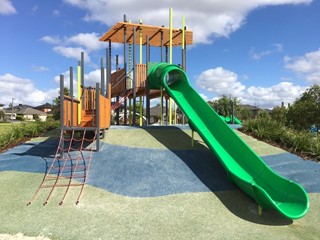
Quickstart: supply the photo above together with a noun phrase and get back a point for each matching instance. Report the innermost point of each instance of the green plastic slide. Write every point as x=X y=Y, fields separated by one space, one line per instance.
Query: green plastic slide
x=243 y=166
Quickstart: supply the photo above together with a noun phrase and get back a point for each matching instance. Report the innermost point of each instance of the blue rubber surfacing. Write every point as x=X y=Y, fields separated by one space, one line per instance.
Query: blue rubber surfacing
x=142 y=172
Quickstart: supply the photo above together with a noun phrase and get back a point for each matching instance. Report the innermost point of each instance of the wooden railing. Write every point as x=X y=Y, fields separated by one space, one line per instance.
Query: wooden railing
x=118 y=78
x=141 y=75
x=88 y=113
x=68 y=111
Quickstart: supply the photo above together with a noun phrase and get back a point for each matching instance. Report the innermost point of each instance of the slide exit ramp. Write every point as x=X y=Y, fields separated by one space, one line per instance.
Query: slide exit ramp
x=244 y=167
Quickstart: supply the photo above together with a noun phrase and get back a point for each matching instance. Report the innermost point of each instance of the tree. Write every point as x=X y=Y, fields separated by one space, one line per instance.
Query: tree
x=305 y=111
x=223 y=105
x=244 y=113
x=279 y=114
x=263 y=114
x=56 y=104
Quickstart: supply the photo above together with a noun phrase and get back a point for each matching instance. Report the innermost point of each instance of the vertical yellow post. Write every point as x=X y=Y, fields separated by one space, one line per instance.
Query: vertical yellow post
x=170 y=60
x=130 y=112
x=192 y=140
x=141 y=111
x=140 y=42
x=79 y=94
x=161 y=106
x=183 y=32
x=260 y=210
x=140 y=45
x=175 y=113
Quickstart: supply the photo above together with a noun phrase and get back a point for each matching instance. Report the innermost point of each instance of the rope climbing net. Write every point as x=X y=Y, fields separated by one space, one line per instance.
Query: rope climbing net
x=71 y=164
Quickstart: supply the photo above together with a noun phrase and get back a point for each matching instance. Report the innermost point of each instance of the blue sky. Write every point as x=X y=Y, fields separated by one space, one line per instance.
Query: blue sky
x=261 y=51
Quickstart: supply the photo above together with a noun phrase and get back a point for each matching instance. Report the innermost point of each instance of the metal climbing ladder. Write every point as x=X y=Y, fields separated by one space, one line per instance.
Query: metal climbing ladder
x=71 y=163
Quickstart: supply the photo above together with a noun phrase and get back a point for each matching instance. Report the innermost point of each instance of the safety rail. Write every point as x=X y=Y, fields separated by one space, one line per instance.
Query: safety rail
x=88 y=109
x=119 y=77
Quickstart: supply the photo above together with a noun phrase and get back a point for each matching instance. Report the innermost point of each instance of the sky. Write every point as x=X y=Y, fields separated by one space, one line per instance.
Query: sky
x=263 y=52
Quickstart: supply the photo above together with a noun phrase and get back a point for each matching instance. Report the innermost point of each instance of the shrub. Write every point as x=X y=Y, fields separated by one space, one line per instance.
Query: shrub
x=299 y=142
x=28 y=130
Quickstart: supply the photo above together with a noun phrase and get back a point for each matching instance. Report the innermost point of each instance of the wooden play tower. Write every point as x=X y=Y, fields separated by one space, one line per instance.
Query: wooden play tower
x=91 y=109
x=129 y=81
x=83 y=118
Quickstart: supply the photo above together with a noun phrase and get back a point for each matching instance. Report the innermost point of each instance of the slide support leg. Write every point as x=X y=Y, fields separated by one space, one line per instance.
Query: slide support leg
x=192 y=140
x=260 y=210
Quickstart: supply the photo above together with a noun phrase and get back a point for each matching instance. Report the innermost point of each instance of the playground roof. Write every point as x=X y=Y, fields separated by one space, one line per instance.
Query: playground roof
x=116 y=34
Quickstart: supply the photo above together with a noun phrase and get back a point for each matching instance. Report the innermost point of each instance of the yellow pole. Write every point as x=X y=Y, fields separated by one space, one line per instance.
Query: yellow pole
x=140 y=43
x=130 y=112
x=79 y=94
x=192 y=138
x=175 y=113
x=141 y=110
x=183 y=31
x=161 y=106
x=170 y=60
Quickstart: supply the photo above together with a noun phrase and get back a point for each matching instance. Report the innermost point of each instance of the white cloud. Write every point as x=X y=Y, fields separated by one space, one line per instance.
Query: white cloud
x=205 y=97
x=71 y=47
x=307 y=66
x=258 y=55
x=220 y=82
x=34 y=9
x=71 y=52
x=52 y=40
x=56 y=13
x=6 y=7
x=11 y=87
x=269 y=97
x=90 y=41
x=207 y=19
x=90 y=79
x=154 y=102
x=40 y=68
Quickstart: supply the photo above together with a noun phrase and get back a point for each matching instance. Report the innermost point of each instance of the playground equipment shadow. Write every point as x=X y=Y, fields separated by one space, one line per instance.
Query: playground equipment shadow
x=149 y=183
x=209 y=171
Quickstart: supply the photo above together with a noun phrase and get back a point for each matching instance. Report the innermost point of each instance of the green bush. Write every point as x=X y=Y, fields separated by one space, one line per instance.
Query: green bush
x=299 y=142
x=26 y=130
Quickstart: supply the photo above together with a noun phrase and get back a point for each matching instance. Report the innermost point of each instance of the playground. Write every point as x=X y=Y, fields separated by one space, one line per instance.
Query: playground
x=199 y=180
x=150 y=183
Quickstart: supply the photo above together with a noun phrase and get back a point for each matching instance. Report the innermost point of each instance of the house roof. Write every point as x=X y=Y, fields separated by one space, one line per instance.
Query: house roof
x=46 y=105
x=30 y=111
x=155 y=111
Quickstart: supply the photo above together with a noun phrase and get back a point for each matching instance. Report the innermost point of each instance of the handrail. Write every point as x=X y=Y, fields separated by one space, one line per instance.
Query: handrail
x=118 y=104
x=122 y=77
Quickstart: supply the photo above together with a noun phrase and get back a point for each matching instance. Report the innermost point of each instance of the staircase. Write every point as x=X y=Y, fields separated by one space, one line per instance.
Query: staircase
x=88 y=118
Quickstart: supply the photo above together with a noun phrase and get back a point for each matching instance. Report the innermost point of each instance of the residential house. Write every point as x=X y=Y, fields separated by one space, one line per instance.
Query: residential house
x=27 y=112
x=47 y=107
x=155 y=113
x=30 y=113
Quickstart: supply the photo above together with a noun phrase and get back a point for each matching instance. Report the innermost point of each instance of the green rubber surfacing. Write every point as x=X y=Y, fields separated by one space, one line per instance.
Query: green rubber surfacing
x=244 y=167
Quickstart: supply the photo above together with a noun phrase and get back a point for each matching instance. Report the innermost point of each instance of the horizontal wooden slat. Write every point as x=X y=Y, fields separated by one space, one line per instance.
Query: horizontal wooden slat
x=116 y=34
